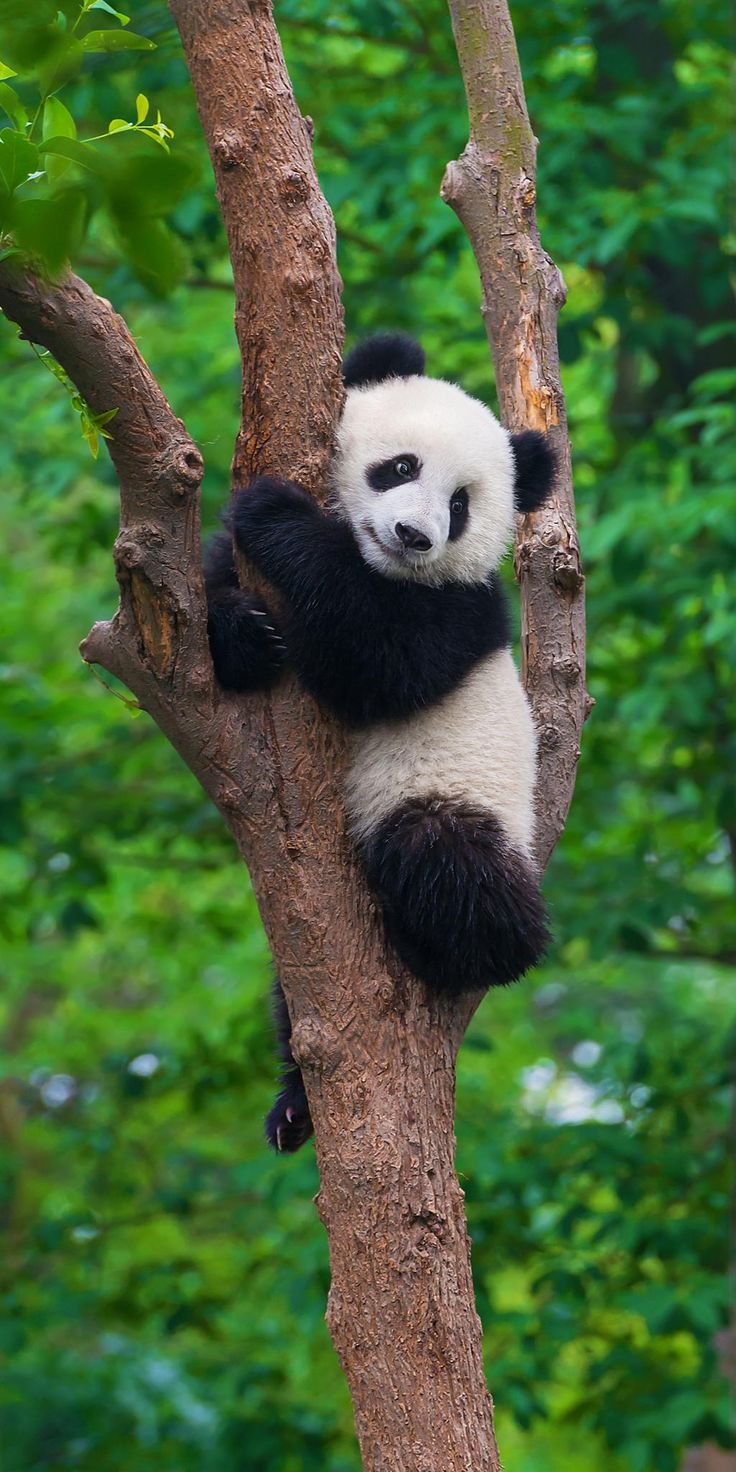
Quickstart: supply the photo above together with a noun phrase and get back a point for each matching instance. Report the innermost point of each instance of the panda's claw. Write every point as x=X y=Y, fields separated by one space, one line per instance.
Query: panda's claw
x=289 y=1124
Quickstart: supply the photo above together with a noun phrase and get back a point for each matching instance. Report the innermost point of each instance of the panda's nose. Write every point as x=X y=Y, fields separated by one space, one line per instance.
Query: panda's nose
x=411 y=538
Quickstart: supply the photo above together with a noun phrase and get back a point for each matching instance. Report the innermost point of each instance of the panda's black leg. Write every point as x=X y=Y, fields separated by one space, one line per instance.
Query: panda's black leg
x=247 y=649
x=461 y=906
x=288 y=1123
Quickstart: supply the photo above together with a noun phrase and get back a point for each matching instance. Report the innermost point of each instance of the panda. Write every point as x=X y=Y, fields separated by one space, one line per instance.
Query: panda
x=393 y=616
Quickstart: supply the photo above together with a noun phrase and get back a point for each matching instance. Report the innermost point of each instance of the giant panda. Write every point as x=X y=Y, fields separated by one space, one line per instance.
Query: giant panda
x=392 y=614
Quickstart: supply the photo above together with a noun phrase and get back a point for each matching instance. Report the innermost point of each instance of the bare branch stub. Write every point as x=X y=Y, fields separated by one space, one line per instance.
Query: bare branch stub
x=493 y=191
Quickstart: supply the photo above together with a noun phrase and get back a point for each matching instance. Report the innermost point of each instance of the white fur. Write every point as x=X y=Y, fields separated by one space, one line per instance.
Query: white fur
x=476 y=746
x=460 y=444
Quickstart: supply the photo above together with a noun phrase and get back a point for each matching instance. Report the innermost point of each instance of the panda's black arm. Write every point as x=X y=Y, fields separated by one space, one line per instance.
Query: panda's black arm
x=371 y=648
x=247 y=649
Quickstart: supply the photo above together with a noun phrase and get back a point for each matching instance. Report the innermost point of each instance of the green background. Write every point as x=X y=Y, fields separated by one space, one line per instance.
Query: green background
x=163 y=1276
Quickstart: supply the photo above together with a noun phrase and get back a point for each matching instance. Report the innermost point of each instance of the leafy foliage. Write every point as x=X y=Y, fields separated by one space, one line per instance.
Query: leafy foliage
x=164 y=1279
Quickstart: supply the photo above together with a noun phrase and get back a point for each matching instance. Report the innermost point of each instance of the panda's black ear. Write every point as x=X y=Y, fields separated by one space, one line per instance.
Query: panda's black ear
x=385 y=355
x=535 y=469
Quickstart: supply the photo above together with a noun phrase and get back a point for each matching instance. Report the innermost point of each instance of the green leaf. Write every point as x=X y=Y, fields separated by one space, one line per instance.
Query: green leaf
x=57 y=120
x=157 y=136
x=50 y=229
x=155 y=253
x=90 y=435
x=74 y=151
x=12 y=105
x=118 y=125
x=141 y=107
x=103 y=5
x=6 y=71
x=104 y=418
x=18 y=158
x=57 y=123
x=116 y=41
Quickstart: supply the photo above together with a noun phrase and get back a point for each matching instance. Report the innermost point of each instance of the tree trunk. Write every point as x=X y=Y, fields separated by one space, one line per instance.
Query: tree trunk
x=378 y=1056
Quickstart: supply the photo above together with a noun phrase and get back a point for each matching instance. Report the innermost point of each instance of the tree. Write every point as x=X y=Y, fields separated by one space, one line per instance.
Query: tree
x=401 y=1305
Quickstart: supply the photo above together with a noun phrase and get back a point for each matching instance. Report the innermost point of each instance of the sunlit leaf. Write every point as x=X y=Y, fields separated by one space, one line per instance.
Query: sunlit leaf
x=157 y=136
x=141 y=107
x=103 y=5
x=6 y=71
x=116 y=41
x=90 y=435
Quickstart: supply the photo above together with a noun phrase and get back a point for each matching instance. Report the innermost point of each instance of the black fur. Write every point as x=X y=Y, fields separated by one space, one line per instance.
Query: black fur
x=461 y=906
x=246 y=647
x=385 y=475
x=535 y=469
x=288 y=1123
x=371 y=648
x=385 y=355
x=458 y=513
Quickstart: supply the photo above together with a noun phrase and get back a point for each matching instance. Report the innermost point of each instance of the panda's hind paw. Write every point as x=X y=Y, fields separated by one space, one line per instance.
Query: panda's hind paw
x=289 y=1123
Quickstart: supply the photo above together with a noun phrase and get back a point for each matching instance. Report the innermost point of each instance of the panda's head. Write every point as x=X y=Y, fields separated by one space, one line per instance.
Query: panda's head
x=427 y=477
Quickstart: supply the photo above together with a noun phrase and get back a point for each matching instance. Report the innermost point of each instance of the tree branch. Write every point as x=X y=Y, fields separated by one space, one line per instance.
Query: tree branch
x=157 y=642
x=493 y=191
x=288 y=315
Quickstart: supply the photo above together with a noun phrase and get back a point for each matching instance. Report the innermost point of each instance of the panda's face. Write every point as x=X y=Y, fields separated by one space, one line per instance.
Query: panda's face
x=425 y=476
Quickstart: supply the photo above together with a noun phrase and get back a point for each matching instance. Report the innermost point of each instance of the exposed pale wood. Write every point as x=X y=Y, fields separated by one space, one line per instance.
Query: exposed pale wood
x=492 y=188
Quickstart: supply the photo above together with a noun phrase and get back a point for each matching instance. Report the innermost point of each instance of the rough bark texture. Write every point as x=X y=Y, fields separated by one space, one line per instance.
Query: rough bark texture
x=281 y=237
x=378 y=1058
x=493 y=191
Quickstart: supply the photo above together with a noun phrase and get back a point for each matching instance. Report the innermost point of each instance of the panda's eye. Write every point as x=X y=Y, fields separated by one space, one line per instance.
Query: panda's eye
x=385 y=475
x=459 y=502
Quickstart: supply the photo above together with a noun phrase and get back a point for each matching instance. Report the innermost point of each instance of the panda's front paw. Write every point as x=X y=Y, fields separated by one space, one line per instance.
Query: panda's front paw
x=263 y=510
x=247 y=650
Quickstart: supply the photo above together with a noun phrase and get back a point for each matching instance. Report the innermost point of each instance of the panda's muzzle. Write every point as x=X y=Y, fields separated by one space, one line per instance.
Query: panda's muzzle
x=412 y=539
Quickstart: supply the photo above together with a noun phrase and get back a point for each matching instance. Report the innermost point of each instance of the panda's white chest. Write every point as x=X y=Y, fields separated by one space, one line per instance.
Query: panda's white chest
x=476 y=746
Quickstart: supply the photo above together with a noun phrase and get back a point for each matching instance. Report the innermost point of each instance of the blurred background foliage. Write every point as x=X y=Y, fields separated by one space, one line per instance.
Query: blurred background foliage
x=164 y=1278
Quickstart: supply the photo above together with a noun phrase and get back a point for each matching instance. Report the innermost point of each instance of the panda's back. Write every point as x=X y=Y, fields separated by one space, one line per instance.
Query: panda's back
x=477 y=746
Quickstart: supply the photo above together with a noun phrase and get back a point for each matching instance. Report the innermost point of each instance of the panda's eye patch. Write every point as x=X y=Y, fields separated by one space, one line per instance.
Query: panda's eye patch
x=394 y=472
x=458 y=513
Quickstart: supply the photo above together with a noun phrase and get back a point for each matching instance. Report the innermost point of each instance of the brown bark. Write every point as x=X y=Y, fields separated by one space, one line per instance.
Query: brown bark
x=378 y=1057
x=281 y=236
x=492 y=189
